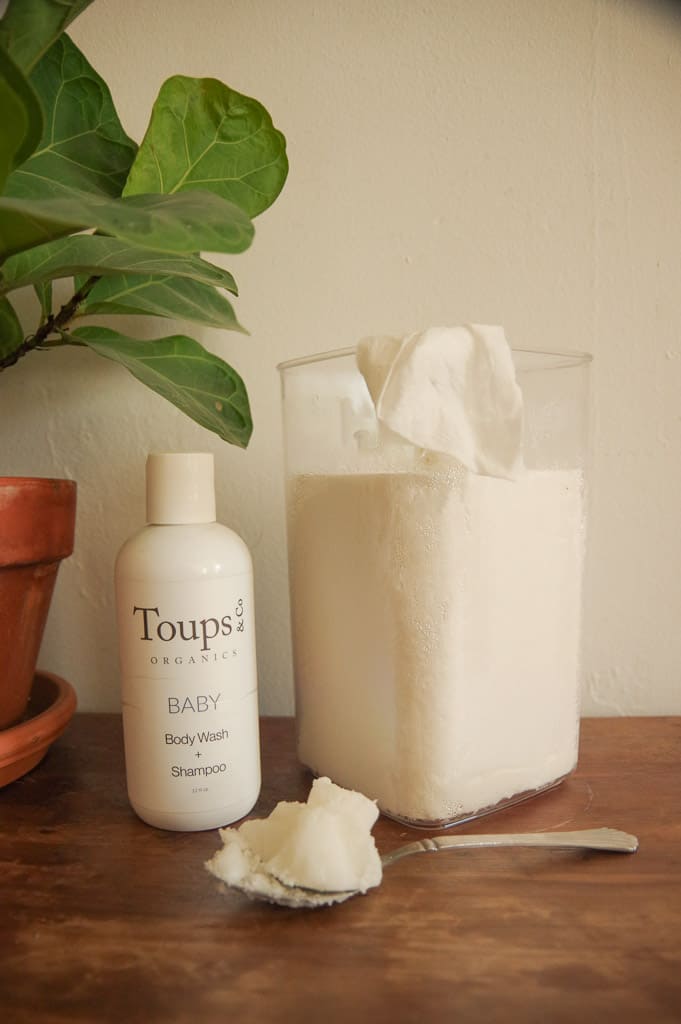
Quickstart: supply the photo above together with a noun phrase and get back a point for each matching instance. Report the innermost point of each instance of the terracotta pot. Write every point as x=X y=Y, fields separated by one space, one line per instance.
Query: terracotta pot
x=37 y=523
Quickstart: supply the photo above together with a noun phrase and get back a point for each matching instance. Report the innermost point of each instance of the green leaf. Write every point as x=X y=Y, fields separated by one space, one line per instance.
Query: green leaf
x=25 y=223
x=97 y=255
x=183 y=223
x=83 y=145
x=180 y=298
x=44 y=292
x=22 y=117
x=202 y=134
x=11 y=334
x=200 y=384
x=193 y=222
x=29 y=27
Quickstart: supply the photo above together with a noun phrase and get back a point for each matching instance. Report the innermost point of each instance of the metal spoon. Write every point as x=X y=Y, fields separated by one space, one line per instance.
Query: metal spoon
x=264 y=886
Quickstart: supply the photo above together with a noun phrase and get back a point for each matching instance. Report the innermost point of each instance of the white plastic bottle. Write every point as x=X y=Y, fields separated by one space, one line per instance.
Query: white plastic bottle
x=184 y=596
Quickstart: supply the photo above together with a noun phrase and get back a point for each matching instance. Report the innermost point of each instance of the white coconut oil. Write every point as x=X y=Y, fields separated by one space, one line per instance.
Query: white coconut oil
x=436 y=621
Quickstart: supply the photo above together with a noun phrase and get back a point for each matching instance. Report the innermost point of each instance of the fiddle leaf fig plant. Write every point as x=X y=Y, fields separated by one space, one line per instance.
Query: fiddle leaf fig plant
x=128 y=224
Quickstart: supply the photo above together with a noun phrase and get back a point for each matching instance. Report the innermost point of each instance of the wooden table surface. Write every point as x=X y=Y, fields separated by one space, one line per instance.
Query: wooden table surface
x=105 y=919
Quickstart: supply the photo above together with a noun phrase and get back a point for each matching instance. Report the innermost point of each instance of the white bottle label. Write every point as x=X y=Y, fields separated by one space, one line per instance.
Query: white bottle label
x=189 y=695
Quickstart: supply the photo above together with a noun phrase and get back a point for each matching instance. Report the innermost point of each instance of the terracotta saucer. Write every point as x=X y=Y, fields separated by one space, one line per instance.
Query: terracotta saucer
x=50 y=709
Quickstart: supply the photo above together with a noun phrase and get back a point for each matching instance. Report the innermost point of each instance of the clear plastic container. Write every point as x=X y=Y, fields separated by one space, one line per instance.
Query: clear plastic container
x=436 y=614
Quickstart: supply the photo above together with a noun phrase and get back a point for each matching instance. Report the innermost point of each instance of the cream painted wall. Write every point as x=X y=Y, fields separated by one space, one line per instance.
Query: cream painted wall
x=503 y=161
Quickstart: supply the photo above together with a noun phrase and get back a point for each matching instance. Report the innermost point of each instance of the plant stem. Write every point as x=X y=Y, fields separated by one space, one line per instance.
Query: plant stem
x=53 y=324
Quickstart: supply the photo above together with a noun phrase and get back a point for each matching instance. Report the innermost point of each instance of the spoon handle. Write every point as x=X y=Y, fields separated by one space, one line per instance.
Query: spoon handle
x=587 y=839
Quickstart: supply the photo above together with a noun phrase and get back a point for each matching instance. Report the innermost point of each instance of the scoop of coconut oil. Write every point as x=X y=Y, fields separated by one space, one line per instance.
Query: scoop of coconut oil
x=324 y=844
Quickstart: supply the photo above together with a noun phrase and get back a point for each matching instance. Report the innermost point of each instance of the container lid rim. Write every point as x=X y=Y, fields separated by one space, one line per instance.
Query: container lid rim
x=567 y=357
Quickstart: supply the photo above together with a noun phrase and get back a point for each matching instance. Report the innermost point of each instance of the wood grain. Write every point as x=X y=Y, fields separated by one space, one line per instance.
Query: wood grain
x=107 y=920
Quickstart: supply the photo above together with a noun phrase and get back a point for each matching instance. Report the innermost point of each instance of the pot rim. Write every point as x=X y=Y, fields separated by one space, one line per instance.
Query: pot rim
x=51 y=480
x=38 y=519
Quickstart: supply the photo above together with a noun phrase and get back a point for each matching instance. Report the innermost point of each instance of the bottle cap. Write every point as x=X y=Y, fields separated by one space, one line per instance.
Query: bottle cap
x=180 y=487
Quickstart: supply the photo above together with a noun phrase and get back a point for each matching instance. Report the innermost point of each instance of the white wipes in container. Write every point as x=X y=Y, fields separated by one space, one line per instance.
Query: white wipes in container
x=436 y=573
x=451 y=390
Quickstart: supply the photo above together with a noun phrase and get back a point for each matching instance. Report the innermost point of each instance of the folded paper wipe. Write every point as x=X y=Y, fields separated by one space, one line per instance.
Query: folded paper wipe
x=451 y=390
